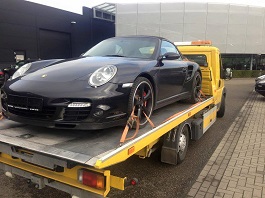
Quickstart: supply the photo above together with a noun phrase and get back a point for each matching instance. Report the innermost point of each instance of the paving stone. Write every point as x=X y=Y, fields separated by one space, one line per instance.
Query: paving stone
x=209 y=195
x=257 y=193
x=232 y=184
x=202 y=189
x=238 y=195
x=250 y=181
x=247 y=194
x=206 y=184
x=199 y=196
x=225 y=191
x=241 y=182
x=196 y=185
x=234 y=190
x=192 y=192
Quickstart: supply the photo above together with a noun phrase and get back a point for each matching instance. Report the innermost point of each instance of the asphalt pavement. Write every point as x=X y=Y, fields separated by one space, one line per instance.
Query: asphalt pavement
x=155 y=178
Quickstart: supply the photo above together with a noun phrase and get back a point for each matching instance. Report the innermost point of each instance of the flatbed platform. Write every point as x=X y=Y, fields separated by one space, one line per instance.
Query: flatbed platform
x=85 y=147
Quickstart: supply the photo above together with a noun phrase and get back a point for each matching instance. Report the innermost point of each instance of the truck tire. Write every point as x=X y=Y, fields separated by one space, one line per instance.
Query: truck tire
x=142 y=97
x=184 y=137
x=221 y=111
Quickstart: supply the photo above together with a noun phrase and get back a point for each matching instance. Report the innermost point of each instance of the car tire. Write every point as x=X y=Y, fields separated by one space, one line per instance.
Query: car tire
x=183 y=144
x=221 y=111
x=142 y=97
x=196 y=88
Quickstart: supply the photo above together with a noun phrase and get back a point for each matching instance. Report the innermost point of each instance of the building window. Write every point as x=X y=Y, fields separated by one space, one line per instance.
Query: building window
x=244 y=61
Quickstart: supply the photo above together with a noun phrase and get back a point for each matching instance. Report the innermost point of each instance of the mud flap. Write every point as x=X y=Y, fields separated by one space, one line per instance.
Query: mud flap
x=170 y=148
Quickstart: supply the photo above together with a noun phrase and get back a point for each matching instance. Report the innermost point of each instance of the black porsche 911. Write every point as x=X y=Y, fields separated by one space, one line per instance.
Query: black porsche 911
x=102 y=87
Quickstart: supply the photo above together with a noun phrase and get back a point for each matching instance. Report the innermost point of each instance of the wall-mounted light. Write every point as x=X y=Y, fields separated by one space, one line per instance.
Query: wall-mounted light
x=73 y=22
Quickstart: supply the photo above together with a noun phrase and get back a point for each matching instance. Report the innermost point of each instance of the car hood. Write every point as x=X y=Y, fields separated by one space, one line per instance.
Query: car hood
x=83 y=67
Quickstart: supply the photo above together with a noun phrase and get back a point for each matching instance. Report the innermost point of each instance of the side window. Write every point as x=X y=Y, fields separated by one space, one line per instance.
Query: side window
x=167 y=47
x=201 y=59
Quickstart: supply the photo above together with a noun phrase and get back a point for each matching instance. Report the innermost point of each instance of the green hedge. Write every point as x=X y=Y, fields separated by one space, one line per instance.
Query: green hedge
x=247 y=73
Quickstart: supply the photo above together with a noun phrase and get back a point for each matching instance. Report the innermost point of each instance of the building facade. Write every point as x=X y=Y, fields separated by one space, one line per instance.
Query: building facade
x=33 y=31
x=237 y=30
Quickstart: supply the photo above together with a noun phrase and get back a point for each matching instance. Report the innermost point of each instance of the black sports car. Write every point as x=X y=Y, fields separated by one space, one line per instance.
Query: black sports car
x=260 y=85
x=102 y=87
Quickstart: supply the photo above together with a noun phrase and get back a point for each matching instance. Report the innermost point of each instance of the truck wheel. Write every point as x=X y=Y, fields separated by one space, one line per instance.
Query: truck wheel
x=183 y=143
x=221 y=111
x=142 y=98
x=196 y=88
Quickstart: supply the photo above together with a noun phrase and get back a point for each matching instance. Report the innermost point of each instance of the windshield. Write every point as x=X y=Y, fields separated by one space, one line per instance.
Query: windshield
x=137 y=47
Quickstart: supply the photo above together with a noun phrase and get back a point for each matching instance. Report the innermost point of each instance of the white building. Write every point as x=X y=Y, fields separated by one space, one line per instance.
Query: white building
x=237 y=30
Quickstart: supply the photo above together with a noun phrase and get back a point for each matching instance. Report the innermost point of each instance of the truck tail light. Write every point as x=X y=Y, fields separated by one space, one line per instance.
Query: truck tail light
x=91 y=179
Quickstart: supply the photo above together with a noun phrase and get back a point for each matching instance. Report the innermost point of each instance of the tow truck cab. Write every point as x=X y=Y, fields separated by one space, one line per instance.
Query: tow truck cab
x=209 y=59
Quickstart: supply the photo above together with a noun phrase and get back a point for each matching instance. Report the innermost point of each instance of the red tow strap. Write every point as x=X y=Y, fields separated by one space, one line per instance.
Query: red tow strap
x=131 y=120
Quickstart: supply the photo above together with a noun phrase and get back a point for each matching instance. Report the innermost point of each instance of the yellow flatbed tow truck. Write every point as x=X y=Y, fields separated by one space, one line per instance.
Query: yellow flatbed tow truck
x=77 y=162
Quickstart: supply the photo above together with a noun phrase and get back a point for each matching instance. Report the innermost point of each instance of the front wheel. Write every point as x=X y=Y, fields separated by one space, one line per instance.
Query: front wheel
x=141 y=99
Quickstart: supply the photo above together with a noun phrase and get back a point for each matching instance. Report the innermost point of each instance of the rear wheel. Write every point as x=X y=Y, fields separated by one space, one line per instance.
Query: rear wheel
x=196 y=88
x=221 y=111
x=183 y=144
x=142 y=98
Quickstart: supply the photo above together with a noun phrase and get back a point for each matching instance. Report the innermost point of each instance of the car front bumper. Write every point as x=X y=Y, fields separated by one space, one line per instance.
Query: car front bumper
x=260 y=88
x=101 y=110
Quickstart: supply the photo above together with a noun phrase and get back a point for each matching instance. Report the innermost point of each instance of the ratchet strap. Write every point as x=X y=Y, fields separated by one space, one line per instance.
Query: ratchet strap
x=134 y=119
x=202 y=94
x=131 y=120
x=149 y=120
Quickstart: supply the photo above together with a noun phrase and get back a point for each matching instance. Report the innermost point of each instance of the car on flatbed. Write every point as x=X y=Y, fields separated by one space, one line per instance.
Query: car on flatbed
x=101 y=88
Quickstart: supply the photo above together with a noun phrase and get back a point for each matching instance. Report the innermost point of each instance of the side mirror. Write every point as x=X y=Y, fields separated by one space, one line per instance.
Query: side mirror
x=171 y=56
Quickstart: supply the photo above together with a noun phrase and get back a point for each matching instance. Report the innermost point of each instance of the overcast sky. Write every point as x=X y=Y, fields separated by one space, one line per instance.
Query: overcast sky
x=76 y=5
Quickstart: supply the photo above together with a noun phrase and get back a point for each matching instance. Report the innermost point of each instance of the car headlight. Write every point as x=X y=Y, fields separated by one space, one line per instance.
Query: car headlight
x=262 y=81
x=21 y=71
x=102 y=75
x=260 y=78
